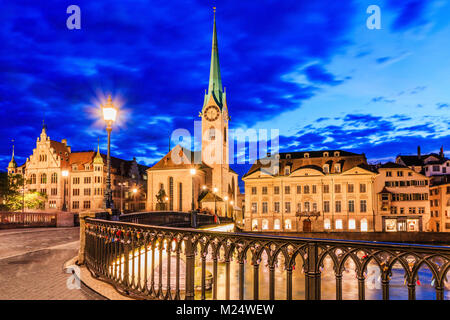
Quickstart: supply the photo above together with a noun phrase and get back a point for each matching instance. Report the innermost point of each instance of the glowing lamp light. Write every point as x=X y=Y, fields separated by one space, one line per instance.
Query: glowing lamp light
x=193 y=171
x=65 y=173
x=134 y=190
x=231 y=202
x=226 y=198
x=109 y=111
x=215 y=190
x=204 y=187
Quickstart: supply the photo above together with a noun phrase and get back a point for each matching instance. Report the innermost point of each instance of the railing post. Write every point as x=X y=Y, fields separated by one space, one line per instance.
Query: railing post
x=83 y=216
x=190 y=268
x=312 y=273
x=411 y=291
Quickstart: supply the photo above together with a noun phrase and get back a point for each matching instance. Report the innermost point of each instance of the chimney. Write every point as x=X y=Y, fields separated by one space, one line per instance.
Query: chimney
x=418 y=152
x=441 y=152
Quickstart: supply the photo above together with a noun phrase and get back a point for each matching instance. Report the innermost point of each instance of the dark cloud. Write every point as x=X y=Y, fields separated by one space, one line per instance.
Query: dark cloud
x=316 y=73
x=410 y=13
x=441 y=105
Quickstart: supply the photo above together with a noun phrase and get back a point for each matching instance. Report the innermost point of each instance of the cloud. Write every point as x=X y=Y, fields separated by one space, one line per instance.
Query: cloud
x=410 y=13
x=441 y=105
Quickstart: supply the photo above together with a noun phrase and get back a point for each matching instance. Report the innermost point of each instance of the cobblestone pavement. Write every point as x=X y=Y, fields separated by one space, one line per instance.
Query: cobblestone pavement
x=31 y=264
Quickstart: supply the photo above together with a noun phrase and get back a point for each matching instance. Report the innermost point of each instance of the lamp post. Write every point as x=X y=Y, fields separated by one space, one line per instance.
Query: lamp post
x=109 y=115
x=193 y=172
x=215 y=206
x=122 y=184
x=65 y=174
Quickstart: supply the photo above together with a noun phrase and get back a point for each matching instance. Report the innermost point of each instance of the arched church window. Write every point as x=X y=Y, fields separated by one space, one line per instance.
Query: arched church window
x=33 y=178
x=43 y=178
x=224 y=134
x=212 y=134
x=54 y=177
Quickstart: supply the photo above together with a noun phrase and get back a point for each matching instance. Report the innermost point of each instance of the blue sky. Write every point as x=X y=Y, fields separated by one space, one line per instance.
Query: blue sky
x=311 y=69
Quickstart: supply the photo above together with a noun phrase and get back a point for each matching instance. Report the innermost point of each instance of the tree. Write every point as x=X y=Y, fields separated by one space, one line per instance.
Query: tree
x=14 y=196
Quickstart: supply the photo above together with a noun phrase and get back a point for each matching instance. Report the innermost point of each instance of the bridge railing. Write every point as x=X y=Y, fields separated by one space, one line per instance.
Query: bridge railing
x=155 y=262
x=27 y=219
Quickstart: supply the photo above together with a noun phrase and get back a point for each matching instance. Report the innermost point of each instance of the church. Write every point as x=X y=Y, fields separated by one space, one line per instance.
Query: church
x=185 y=179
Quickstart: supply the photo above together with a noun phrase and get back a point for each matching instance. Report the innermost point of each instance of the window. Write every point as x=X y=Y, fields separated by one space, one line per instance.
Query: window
x=52 y=204
x=287 y=224
x=299 y=207
x=362 y=187
x=307 y=207
x=388 y=174
x=287 y=207
x=314 y=188
x=436 y=168
x=276 y=224
x=276 y=190
x=399 y=173
x=265 y=224
x=314 y=207
x=54 y=177
x=326 y=168
x=54 y=191
x=87 y=167
x=351 y=205
x=337 y=167
x=363 y=206
x=76 y=192
x=351 y=224
x=327 y=224
x=338 y=206
x=364 y=226
x=264 y=207
x=180 y=196
x=306 y=189
x=276 y=207
x=337 y=188
x=253 y=190
x=339 y=224
x=76 y=180
x=87 y=180
x=287 y=170
x=254 y=207
x=86 y=204
x=264 y=190
x=287 y=189
x=43 y=191
x=212 y=134
x=75 y=205
x=255 y=224
x=326 y=206
x=326 y=188
x=33 y=179
x=299 y=189
x=87 y=191
x=43 y=178
x=171 y=193
x=350 y=188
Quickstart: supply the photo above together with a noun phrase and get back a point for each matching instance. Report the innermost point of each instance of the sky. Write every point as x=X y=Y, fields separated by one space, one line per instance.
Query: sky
x=312 y=70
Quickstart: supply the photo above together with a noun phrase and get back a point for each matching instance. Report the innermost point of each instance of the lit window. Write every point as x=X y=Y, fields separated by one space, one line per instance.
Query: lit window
x=327 y=224
x=339 y=224
x=265 y=224
x=287 y=224
x=276 y=224
x=351 y=224
x=364 y=225
x=255 y=224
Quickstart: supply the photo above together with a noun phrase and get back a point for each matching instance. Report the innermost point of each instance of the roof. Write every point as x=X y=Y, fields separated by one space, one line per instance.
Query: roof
x=393 y=165
x=415 y=160
x=185 y=160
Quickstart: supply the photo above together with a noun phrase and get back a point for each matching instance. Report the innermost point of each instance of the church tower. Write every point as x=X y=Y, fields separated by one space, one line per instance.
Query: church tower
x=215 y=123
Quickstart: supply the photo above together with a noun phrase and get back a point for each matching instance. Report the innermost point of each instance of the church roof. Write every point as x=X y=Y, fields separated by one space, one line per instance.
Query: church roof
x=183 y=159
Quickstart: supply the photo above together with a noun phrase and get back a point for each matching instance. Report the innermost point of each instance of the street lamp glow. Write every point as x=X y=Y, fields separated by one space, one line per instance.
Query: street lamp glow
x=226 y=198
x=193 y=171
x=231 y=202
x=134 y=190
x=215 y=190
x=65 y=173
x=204 y=187
x=109 y=111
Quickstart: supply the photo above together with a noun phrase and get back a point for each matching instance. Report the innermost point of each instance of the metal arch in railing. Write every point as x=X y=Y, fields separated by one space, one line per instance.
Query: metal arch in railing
x=129 y=256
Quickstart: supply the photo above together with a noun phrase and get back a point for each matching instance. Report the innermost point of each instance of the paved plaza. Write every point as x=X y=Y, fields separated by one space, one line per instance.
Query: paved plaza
x=31 y=264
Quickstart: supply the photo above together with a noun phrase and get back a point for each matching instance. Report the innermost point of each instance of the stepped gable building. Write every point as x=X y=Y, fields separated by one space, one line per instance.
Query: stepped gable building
x=329 y=190
x=402 y=199
x=86 y=180
x=171 y=175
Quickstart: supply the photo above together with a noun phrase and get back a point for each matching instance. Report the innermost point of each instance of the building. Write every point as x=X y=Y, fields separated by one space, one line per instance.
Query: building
x=330 y=190
x=440 y=206
x=86 y=177
x=431 y=164
x=213 y=184
x=402 y=199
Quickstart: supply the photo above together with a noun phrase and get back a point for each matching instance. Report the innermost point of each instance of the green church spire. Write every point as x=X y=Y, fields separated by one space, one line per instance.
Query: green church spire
x=215 y=81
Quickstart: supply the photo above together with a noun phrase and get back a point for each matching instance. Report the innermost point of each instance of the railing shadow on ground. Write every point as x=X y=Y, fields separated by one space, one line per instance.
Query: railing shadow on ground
x=158 y=262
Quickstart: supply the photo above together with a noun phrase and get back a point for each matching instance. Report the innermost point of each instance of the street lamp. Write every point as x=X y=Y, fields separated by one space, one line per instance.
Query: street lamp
x=65 y=174
x=193 y=172
x=109 y=115
x=215 y=206
x=122 y=184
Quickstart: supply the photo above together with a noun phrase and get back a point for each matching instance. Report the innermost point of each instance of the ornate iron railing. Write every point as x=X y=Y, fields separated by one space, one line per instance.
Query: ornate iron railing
x=153 y=262
x=27 y=219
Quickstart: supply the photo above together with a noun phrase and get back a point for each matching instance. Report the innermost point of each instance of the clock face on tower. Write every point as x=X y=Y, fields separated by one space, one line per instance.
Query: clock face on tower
x=212 y=113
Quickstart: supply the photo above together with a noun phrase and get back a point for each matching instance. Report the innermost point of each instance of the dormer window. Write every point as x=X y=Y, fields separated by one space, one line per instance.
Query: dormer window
x=326 y=168
x=287 y=170
x=325 y=154
x=306 y=155
x=337 y=167
x=275 y=170
x=74 y=167
x=336 y=153
x=87 y=167
x=288 y=156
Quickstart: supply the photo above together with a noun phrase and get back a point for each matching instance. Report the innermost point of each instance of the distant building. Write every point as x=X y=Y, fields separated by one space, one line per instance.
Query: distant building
x=86 y=180
x=402 y=199
x=440 y=206
x=431 y=164
x=330 y=190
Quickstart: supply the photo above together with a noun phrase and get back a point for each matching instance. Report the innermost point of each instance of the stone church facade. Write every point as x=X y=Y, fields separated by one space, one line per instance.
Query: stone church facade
x=214 y=184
